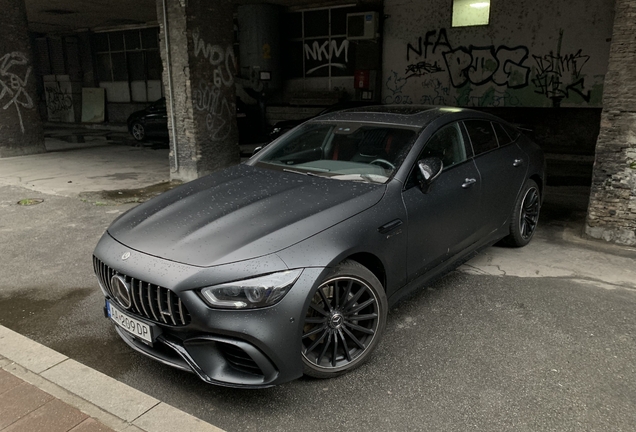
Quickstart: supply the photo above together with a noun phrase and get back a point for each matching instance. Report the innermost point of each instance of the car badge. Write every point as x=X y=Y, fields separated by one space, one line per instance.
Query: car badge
x=121 y=291
x=125 y=256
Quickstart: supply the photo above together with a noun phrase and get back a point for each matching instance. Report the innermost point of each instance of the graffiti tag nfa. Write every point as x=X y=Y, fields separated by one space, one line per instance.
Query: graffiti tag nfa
x=13 y=85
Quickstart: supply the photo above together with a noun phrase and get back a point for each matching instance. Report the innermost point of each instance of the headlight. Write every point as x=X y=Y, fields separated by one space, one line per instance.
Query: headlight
x=251 y=293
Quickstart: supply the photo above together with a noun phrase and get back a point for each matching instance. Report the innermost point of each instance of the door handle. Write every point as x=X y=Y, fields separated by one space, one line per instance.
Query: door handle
x=469 y=182
x=517 y=162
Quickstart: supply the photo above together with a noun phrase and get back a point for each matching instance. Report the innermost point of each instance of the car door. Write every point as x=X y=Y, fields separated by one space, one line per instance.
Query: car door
x=443 y=221
x=502 y=167
x=157 y=119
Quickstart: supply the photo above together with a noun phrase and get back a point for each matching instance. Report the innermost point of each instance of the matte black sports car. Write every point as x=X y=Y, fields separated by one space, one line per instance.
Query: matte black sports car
x=288 y=263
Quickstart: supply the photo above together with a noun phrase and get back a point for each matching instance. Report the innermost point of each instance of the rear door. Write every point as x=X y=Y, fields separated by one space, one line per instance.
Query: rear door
x=502 y=167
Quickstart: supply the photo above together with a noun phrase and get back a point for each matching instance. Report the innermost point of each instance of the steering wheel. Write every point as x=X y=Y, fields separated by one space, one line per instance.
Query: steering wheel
x=382 y=162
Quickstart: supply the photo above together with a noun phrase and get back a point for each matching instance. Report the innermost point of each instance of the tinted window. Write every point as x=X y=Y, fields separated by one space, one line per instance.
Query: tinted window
x=513 y=132
x=343 y=151
x=481 y=135
x=448 y=145
x=502 y=135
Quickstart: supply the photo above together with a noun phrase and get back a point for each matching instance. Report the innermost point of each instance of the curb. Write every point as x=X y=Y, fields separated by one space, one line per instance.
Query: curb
x=103 y=398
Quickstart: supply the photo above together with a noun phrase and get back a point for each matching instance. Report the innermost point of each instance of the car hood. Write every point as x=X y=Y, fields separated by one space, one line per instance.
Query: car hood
x=240 y=213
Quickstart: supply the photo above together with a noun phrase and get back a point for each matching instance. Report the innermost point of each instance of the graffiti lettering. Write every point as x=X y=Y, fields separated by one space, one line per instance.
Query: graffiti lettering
x=12 y=85
x=480 y=65
x=441 y=92
x=398 y=99
x=57 y=100
x=208 y=98
x=441 y=41
x=491 y=97
x=394 y=83
x=422 y=68
x=327 y=51
x=223 y=59
x=556 y=76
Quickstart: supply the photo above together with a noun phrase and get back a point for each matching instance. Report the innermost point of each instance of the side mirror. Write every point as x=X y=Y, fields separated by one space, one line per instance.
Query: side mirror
x=257 y=149
x=430 y=168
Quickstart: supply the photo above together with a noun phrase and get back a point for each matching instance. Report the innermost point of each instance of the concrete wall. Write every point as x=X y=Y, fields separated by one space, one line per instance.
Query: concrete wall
x=202 y=66
x=534 y=53
x=20 y=125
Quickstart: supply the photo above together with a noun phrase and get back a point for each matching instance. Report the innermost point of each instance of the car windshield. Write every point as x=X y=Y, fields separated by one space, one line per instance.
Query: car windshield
x=343 y=151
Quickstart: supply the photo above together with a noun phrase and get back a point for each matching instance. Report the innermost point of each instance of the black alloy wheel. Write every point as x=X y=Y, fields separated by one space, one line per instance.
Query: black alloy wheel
x=138 y=131
x=525 y=216
x=344 y=321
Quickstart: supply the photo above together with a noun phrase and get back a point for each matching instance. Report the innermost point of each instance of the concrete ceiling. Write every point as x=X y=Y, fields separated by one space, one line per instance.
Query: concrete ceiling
x=63 y=16
x=60 y=16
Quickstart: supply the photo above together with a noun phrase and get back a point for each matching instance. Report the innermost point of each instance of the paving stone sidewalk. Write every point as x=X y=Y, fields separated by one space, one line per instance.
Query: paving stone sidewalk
x=43 y=390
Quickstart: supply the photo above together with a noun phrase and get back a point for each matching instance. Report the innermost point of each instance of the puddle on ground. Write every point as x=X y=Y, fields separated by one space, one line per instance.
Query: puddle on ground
x=125 y=196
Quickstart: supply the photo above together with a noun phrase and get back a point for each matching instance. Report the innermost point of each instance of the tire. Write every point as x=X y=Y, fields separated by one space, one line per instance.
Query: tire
x=525 y=215
x=344 y=321
x=138 y=131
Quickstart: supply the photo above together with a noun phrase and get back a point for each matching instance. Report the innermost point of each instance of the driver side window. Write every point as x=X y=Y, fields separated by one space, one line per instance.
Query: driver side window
x=448 y=145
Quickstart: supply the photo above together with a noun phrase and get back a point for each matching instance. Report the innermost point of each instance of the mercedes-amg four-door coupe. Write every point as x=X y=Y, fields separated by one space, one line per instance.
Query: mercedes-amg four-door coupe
x=288 y=263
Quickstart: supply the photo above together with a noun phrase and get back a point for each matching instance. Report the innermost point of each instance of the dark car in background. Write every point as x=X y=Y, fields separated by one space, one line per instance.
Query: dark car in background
x=288 y=263
x=152 y=122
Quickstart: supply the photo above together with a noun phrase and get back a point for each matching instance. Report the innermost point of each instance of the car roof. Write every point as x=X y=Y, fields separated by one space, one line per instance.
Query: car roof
x=406 y=115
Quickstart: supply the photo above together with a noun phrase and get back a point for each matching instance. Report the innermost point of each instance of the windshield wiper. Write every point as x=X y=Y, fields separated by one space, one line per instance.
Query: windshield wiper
x=300 y=172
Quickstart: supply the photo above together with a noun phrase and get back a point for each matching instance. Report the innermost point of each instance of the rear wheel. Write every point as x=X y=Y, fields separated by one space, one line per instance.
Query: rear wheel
x=138 y=131
x=525 y=215
x=344 y=321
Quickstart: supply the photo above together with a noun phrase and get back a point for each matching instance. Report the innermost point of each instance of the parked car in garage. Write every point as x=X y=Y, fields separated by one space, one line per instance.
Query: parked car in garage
x=152 y=122
x=288 y=263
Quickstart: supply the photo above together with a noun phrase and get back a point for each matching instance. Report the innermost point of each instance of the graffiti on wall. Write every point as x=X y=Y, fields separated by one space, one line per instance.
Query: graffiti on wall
x=502 y=66
x=494 y=70
x=14 y=76
x=210 y=97
x=59 y=101
x=321 y=54
x=558 y=76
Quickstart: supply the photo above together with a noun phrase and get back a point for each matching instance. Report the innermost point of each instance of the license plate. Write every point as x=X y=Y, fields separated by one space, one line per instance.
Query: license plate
x=133 y=326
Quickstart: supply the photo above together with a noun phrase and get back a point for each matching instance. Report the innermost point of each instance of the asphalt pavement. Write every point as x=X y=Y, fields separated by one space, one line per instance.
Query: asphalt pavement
x=539 y=339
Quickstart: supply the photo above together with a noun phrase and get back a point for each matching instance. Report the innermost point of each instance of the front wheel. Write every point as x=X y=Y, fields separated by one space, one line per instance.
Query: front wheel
x=344 y=321
x=138 y=131
x=525 y=215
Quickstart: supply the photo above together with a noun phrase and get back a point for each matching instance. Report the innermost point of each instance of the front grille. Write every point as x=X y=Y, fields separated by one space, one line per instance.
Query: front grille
x=150 y=301
x=239 y=359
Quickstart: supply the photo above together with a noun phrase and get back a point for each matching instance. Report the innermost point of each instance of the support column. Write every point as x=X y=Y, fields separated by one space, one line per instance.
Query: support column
x=20 y=125
x=612 y=207
x=199 y=68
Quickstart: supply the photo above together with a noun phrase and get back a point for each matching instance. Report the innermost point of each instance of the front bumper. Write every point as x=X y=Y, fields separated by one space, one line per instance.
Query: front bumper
x=237 y=348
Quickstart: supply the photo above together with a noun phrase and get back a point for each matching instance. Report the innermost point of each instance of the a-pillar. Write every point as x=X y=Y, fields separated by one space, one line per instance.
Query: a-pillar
x=612 y=207
x=20 y=125
x=199 y=68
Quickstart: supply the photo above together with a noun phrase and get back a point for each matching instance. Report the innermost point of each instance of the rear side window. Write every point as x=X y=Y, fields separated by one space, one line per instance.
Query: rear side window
x=512 y=131
x=502 y=135
x=482 y=135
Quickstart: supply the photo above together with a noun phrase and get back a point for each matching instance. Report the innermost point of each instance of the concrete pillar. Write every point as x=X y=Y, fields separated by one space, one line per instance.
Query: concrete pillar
x=612 y=207
x=20 y=125
x=199 y=69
